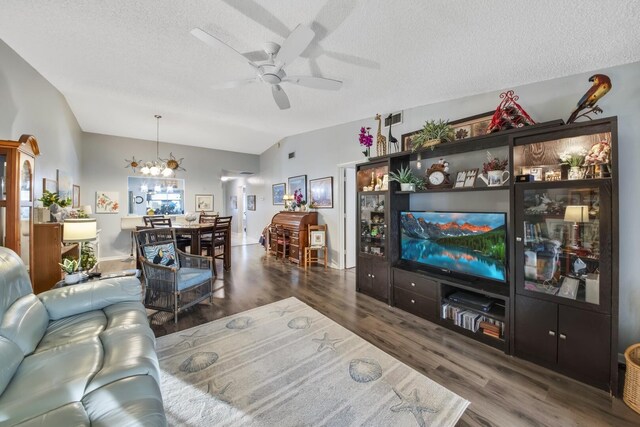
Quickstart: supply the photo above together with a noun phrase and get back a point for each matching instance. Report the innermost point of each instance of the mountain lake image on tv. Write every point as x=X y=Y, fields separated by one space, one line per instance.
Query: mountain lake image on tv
x=472 y=244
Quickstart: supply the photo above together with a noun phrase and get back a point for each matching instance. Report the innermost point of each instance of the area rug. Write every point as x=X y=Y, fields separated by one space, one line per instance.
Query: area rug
x=285 y=364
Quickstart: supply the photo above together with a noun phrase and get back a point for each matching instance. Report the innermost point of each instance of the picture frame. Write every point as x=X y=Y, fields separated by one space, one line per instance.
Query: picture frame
x=50 y=185
x=107 y=202
x=537 y=174
x=65 y=184
x=406 y=140
x=251 y=203
x=75 y=200
x=317 y=238
x=234 y=202
x=204 y=202
x=321 y=193
x=471 y=126
x=298 y=183
x=277 y=193
x=466 y=178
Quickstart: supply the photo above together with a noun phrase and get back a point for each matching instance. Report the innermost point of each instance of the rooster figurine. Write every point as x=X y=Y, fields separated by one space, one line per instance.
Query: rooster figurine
x=601 y=85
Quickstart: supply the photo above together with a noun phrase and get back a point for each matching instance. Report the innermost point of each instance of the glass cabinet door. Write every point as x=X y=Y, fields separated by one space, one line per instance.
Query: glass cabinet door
x=562 y=243
x=373 y=224
x=3 y=198
x=26 y=206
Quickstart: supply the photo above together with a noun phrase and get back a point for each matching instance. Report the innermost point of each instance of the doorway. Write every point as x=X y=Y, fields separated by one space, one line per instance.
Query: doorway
x=347 y=214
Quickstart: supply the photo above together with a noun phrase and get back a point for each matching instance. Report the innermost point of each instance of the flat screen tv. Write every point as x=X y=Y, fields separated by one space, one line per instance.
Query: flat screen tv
x=456 y=243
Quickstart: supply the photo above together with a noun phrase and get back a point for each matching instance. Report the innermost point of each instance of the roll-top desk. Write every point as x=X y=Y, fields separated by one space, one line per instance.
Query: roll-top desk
x=297 y=223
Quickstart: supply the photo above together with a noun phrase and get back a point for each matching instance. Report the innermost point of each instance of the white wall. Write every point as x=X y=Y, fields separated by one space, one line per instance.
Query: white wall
x=103 y=169
x=30 y=104
x=319 y=152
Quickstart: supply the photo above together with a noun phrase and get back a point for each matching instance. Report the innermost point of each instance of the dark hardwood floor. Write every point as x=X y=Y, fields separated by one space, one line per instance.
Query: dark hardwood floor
x=503 y=390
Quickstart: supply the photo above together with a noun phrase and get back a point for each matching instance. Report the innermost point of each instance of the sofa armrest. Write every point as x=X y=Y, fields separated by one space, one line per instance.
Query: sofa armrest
x=96 y=295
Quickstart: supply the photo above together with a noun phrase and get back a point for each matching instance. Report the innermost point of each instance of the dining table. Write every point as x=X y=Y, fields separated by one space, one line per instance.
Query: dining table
x=196 y=231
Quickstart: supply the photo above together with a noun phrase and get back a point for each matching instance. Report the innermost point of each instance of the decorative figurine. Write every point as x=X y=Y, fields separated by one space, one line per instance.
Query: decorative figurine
x=601 y=86
x=509 y=114
x=381 y=141
x=438 y=176
x=392 y=139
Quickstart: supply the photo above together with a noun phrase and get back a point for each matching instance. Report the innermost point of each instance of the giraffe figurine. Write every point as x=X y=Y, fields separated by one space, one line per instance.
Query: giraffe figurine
x=381 y=141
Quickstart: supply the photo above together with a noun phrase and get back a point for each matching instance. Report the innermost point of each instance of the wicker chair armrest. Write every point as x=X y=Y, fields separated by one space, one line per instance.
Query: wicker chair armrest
x=195 y=261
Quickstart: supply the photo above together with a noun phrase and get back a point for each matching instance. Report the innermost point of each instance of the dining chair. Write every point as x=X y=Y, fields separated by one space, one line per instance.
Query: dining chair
x=207 y=219
x=174 y=280
x=147 y=219
x=217 y=247
x=282 y=241
x=317 y=242
x=162 y=222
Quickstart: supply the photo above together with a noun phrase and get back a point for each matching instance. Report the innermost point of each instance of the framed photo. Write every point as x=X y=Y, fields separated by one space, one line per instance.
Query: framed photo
x=298 y=183
x=204 y=202
x=317 y=238
x=321 y=192
x=251 y=203
x=65 y=185
x=107 y=202
x=537 y=174
x=49 y=185
x=76 y=197
x=277 y=193
x=471 y=126
x=466 y=178
x=407 y=139
x=234 y=202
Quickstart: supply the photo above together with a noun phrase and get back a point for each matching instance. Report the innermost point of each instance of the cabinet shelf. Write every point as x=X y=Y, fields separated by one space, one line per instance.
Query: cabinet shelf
x=478 y=336
x=455 y=190
x=589 y=182
x=496 y=312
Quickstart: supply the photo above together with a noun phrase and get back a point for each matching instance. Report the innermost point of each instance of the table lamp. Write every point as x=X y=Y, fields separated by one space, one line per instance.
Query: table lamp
x=86 y=209
x=79 y=231
x=576 y=214
x=287 y=201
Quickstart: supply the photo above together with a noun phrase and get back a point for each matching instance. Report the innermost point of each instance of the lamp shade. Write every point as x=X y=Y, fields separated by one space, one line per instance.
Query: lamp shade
x=576 y=214
x=79 y=230
x=87 y=209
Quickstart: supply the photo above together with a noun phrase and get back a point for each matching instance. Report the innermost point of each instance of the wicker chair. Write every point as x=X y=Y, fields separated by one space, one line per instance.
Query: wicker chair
x=173 y=282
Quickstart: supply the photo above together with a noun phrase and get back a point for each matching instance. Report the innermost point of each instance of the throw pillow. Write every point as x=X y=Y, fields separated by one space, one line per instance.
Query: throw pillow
x=162 y=254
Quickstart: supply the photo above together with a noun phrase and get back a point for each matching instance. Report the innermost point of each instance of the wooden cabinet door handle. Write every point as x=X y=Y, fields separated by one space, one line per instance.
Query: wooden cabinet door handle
x=413 y=301
x=563 y=337
x=413 y=284
x=552 y=333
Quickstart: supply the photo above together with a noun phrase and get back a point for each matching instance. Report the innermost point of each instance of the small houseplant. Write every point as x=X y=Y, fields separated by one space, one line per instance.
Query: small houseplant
x=299 y=200
x=366 y=140
x=433 y=133
x=493 y=172
x=49 y=198
x=575 y=158
x=70 y=267
x=408 y=181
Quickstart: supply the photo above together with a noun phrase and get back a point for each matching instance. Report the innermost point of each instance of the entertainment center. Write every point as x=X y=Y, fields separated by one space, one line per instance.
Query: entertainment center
x=542 y=284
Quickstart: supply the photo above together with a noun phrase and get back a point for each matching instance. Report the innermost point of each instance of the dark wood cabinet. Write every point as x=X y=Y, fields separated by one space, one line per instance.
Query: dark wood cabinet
x=415 y=293
x=373 y=277
x=296 y=224
x=573 y=341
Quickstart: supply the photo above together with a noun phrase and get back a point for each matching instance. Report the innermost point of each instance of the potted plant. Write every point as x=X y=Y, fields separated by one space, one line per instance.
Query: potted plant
x=574 y=158
x=366 y=140
x=300 y=202
x=408 y=181
x=70 y=267
x=49 y=198
x=433 y=133
x=493 y=172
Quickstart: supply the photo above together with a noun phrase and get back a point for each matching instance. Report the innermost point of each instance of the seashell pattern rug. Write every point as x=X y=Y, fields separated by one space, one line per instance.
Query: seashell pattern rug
x=285 y=364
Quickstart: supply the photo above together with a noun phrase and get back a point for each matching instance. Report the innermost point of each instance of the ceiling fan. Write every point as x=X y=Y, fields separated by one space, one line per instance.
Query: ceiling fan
x=272 y=71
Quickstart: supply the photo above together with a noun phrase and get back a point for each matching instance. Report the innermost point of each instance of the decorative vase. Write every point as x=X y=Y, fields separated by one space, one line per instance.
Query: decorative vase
x=575 y=172
x=407 y=186
x=72 y=279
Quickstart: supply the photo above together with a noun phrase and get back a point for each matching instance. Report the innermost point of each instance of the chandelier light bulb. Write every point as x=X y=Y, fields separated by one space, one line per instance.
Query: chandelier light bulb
x=145 y=169
x=154 y=170
x=166 y=172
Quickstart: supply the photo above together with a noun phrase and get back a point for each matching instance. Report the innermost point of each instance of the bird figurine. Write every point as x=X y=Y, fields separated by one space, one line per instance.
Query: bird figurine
x=601 y=86
x=392 y=139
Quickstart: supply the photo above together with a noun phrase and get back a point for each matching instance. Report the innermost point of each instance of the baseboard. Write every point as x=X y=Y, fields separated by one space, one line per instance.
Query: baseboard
x=114 y=258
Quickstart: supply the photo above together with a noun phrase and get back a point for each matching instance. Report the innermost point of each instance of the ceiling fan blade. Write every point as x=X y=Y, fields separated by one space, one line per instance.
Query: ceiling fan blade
x=215 y=42
x=280 y=97
x=314 y=82
x=234 y=83
x=294 y=45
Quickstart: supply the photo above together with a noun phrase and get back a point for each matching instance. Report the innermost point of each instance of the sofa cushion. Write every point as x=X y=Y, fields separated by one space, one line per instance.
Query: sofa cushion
x=164 y=254
x=81 y=327
x=188 y=277
x=70 y=300
x=133 y=401
x=10 y=358
x=126 y=314
x=128 y=351
x=71 y=415
x=50 y=379
x=14 y=279
x=25 y=322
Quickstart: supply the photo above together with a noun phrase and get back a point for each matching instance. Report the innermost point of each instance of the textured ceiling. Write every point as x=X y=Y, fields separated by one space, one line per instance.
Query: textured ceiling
x=119 y=62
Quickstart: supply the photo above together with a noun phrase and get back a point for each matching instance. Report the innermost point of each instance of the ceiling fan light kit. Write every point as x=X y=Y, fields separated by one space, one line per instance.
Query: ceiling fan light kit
x=272 y=71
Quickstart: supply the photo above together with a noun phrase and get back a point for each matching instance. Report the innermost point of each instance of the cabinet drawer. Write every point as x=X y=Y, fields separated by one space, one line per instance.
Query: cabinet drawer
x=415 y=283
x=415 y=304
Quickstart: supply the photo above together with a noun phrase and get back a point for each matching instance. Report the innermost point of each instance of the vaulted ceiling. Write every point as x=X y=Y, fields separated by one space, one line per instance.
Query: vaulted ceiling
x=119 y=62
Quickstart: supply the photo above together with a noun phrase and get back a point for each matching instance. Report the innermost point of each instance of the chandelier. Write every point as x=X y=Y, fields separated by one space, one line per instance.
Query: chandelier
x=158 y=167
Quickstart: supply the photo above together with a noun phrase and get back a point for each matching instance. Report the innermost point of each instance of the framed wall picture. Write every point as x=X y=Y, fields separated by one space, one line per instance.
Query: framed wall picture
x=321 y=193
x=107 y=202
x=75 y=202
x=234 y=202
x=204 y=202
x=471 y=126
x=466 y=178
x=49 y=185
x=251 y=203
x=406 y=140
x=298 y=183
x=277 y=193
x=65 y=185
